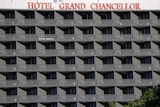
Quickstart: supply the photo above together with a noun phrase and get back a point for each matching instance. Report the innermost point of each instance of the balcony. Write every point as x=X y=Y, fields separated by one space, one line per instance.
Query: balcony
x=7 y=52
x=65 y=22
x=156 y=52
x=122 y=22
x=86 y=82
x=104 y=22
x=84 y=22
x=155 y=22
x=49 y=98
x=105 y=52
x=87 y=98
x=106 y=82
x=28 y=67
x=8 y=21
x=8 y=83
x=126 y=97
x=85 y=37
x=144 y=82
x=156 y=67
x=51 y=82
x=104 y=37
x=105 y=67
x=124 y=52
x=8 y=37
x=47 y=52
x=9 y=99
x=26 y=22
x=142 y=37
x=46 y=22
x=67 y=67
x=68 y=98
x=27 y=37
x=156 y=37
x=66 y=37
x=106 y=97
x=29 y=98
x=125 y=67
x=85 y=52
x=125 y=82
x=28 y=83
x=143 y=67
x=143 y=52
x=8 y=68
x=141 y=22
x=123 y=37
x=86 y=67
x=47 y=37
x=48 y=67
x=67 y=82
x=27 y=52
x=66 y=52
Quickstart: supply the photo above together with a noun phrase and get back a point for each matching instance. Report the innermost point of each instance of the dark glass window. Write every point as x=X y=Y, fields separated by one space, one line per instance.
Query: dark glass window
x=51 y=91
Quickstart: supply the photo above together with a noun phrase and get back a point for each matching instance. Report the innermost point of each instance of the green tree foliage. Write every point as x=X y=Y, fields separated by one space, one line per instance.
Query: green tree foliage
x=112 y=104
x=150 y=98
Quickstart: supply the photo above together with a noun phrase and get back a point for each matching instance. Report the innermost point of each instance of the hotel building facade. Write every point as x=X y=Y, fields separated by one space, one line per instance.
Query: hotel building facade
x=58 y=58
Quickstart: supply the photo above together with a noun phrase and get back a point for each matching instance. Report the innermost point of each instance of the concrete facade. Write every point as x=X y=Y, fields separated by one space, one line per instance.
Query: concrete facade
x=77 y=58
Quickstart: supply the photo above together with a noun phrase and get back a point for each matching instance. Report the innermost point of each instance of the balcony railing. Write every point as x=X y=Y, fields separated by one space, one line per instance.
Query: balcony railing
x=106 y=82
x=105 y=52
x=9 y=99
x=67 y=82
x=86 y=82
x=8 y=83
x=66 y=37
x=85 y=52
x=85 y=37
x=144 y=82
x=8 y=52
x=105 y=67
x=86 y=67
x=104 y=37
x=8 y=37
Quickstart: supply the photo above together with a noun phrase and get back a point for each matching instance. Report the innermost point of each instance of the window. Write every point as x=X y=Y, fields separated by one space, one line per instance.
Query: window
x=108 y=75
x=69 y=30
x=68 y=15
x=89 y=60
x=107 y=45
x=108 y=60
x=12 y=91
x=90 y=90
x=31 y=76
x=106 y=15
x=145 y=60
x=106 y=30
x=31 y=60
x=10 y=45
x=145 y=45
x=127 y=60
x=49 y=15
x=88 y=30
x=51 y=91
x=71 y=90
x=51 y=60
x=29 y=15
x=70 y=75
x=125 y=30
x=50 y=45
x=10 y=30
x=50 y=75
x=126 y=45
x=30 y=30
x=89 y=75
x=128 y=90
x=70 y=45
x=9 y=14
x=91 y=104
x=70 y=60
x=88 y=45
x=86 y=15
x=146 y=75
x=145 y=30
x=143 y=15
x=127 y=75
x=11 y=60
x=109 y=90
x=11 y=76
x=50 y=30
x=32 y=91
x=124 y=15
x=51 y=105
x=31 y=45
